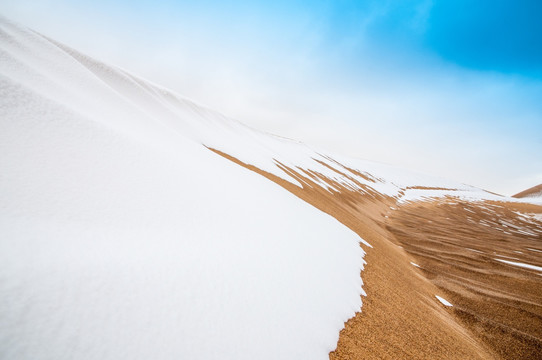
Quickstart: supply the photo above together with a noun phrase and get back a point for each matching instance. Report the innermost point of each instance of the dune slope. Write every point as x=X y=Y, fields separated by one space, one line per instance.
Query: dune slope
x=535 y=191
x=136 y=223
x=122 y=236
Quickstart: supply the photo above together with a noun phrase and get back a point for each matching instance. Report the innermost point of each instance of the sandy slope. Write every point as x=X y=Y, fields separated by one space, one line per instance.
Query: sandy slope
x=535 y=191
x=446 y=247
x=471 y=251
x=389 y=326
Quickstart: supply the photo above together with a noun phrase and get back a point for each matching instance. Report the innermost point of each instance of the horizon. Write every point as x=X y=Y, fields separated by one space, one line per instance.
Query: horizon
x=395 y=83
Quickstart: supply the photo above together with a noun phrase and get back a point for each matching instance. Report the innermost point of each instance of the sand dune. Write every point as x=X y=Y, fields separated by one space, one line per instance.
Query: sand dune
x=136 y=223
x=535 y=191
x=497 y=310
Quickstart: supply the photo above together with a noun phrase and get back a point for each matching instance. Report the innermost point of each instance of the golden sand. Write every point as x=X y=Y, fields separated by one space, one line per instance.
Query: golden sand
x=497 y=308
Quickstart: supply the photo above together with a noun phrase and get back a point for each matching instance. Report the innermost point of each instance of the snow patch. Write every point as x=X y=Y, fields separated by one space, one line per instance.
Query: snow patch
x=522 y=265
x=474 y=250
x=443 y=301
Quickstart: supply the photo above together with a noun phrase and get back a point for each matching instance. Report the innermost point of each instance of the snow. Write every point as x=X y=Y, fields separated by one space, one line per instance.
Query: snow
x=530 y=200
x=504 y=256
x=474 y=250
x=522 y=265
x=123 y=237
x=365 y=243
x=443 y=301
x=461 y=192
x=526 y=232
x=528 y=217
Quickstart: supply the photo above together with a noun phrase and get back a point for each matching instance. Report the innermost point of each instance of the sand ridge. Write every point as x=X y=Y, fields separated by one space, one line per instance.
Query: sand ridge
x=534 y=191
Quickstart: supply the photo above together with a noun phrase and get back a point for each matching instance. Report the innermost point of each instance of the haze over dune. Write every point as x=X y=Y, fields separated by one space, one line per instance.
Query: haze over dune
x=135 y=223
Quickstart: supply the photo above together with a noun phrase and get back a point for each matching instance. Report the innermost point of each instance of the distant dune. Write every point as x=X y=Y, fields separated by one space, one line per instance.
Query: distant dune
x=535 y=191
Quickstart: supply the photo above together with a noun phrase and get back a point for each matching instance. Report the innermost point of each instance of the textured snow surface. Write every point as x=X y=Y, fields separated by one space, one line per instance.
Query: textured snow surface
x=122 y=237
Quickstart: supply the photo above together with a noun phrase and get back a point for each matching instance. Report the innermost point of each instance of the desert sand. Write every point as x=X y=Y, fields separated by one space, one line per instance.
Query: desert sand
x=447 y=248
x=535 y=191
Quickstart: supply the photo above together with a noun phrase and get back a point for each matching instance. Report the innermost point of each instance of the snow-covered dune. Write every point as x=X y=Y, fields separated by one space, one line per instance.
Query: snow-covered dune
x=123 y=237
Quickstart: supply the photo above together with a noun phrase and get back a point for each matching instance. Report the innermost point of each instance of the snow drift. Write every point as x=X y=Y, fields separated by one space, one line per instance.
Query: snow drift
x=123 y=237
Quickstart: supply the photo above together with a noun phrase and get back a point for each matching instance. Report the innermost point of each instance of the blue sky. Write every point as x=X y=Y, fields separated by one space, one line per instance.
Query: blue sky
x=452 y=88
